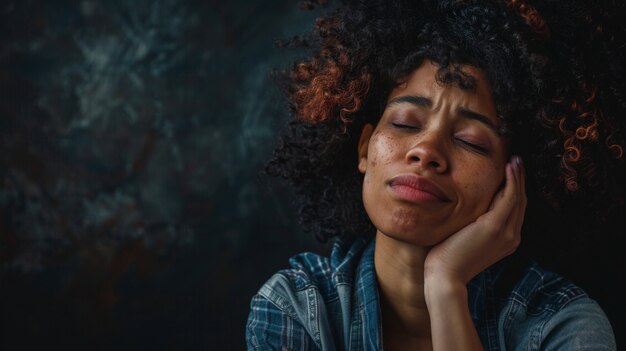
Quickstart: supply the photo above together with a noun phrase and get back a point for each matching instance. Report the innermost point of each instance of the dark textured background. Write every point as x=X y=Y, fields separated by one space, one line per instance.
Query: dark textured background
x=132 y=212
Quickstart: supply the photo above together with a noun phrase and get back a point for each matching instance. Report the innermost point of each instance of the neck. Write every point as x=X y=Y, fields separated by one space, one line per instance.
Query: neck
x=400 y=273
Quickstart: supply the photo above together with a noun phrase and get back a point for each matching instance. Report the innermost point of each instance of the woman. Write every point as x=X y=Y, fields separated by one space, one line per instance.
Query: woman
x=412 y=121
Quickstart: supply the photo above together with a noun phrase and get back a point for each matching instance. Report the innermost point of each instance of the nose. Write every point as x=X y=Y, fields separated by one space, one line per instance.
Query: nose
x=429 y=153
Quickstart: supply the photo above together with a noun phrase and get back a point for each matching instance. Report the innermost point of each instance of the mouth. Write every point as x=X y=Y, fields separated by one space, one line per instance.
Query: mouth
x=417 y=189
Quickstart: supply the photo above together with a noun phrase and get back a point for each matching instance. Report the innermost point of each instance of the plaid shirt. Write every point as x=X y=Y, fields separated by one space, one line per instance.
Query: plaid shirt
x=332 y=304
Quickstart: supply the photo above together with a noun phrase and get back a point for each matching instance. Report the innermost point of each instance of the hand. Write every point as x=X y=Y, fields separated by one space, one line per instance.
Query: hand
x=493 y=236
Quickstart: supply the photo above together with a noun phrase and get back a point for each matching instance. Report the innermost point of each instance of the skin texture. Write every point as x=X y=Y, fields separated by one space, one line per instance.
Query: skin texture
x=430 y=243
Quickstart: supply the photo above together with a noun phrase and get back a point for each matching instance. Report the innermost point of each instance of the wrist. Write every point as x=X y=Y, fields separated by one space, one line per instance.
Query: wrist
x=444 y=291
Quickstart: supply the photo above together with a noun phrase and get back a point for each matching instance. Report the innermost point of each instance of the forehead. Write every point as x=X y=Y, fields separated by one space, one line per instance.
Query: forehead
x=423 y=82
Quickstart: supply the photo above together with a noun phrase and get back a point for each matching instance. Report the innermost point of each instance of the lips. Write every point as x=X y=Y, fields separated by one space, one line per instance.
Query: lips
x=417 y=189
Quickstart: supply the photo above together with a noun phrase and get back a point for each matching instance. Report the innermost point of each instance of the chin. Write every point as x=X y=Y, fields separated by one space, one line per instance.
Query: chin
x=424 y=236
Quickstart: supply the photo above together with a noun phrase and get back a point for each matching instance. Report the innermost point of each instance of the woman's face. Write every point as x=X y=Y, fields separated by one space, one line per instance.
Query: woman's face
x=434 y=161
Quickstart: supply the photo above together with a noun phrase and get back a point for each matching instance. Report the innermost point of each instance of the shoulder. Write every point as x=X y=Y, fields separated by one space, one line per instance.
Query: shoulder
x=548 y=311
x=312 y=271
x=580 y=324
x=542 y=291
x=298 y=305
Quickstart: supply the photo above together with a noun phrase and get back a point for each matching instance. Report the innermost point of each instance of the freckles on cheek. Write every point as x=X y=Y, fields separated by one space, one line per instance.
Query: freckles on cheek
x=479 y=181
x=382 y=149
x=487 y=186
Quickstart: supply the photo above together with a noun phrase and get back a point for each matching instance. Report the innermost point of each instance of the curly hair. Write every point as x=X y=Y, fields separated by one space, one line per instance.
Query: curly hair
x=556 y=69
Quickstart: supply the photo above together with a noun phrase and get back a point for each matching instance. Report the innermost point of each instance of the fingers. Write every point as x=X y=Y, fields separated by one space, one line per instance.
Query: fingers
x=520 y=209
x=506 y=200
x=508 y=207
x=515 y=220
x=517 y=213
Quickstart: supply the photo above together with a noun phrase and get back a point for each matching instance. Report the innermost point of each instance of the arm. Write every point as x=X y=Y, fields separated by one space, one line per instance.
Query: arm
x=269 y=328
x=451 y=264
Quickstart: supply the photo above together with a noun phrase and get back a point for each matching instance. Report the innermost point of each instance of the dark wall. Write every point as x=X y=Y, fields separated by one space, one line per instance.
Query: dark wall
x=133 y=212
x=133 y=135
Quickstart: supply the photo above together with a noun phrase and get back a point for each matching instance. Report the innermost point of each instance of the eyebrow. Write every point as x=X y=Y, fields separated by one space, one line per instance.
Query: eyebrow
x=421 y=101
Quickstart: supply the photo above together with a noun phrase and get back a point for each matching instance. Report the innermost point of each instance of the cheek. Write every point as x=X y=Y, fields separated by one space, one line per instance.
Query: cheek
x=481 y=182
x=382 y=150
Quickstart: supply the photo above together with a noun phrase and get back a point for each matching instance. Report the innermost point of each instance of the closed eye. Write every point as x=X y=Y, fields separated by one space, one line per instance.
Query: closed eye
x=404 y=126
x=479 y=148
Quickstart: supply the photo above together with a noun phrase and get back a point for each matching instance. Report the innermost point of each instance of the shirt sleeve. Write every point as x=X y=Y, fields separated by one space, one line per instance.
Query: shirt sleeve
x=269 y=328
x=581 y=325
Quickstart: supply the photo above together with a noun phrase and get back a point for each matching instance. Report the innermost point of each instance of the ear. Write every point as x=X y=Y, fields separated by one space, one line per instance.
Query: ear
x=364 y=140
